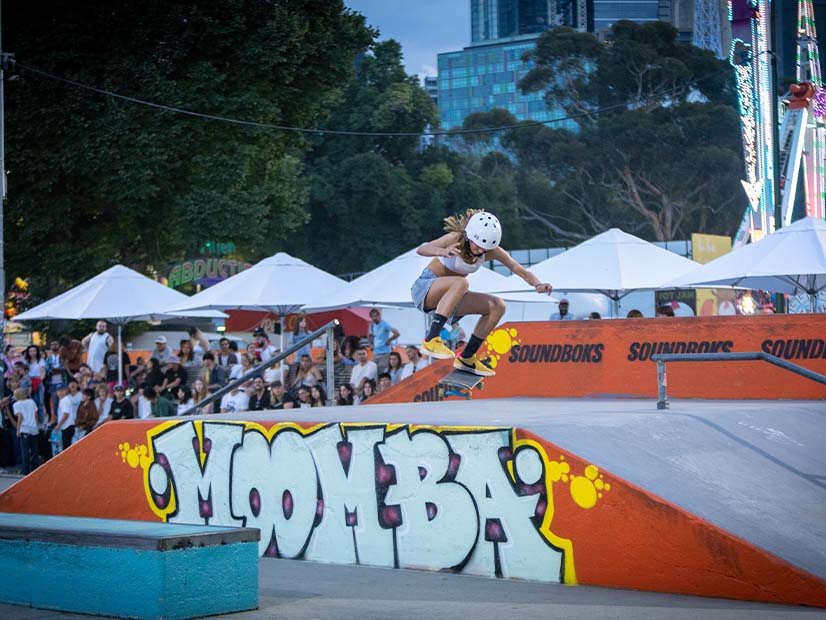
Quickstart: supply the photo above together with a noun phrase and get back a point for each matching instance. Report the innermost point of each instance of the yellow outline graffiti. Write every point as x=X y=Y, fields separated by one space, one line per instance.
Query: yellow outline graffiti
x=555 y=471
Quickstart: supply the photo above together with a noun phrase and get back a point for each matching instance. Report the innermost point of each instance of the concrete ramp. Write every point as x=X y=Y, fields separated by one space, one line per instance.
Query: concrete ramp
x=722 y=499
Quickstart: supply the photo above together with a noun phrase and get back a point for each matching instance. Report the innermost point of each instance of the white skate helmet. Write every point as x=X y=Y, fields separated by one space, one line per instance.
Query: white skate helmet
x=484 y=230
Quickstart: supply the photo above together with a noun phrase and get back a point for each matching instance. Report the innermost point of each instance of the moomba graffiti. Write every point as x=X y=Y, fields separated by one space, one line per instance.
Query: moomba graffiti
x=471 y=500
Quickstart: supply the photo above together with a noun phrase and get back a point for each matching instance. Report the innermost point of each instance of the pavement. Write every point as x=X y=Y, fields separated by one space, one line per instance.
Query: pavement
x=295 y=590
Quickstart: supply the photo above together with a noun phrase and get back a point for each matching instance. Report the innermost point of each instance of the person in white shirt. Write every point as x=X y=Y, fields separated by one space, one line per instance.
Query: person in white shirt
x=25 y=412
x=264 y=351
x=236 y=400
x=97 y=344
x=563 y=314
x=103 y=403
x=416 y=361
x=66 y=413
x=185 y=400
x=362 y=371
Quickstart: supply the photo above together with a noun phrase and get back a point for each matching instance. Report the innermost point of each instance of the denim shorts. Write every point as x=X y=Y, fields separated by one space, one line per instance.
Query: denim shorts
x=421 y=287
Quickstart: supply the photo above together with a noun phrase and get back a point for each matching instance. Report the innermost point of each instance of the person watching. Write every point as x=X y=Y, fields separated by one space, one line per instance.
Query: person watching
x=562 y=314
x=381 y=337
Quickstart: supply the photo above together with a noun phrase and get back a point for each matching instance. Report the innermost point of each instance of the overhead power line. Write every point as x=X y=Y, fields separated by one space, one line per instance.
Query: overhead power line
x=339 y=132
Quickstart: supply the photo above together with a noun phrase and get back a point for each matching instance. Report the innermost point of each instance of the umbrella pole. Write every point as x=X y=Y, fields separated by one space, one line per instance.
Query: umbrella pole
x=281 y=320
x=120 y=354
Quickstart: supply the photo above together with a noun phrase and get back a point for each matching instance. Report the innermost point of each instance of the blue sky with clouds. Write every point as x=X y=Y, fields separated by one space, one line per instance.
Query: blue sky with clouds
x=423 y=27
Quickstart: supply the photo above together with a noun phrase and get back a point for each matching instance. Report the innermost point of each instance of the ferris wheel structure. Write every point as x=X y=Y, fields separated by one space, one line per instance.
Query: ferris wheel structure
x=802 y=134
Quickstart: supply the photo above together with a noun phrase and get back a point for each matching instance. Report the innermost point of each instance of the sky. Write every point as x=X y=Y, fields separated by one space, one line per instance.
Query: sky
x=423 y=27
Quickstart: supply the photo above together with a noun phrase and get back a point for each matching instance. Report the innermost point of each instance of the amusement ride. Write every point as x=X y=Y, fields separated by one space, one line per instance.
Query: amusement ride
x=801 y=149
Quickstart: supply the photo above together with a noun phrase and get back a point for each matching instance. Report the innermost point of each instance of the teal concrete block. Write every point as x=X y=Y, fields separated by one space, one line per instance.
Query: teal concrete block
x=180 y=581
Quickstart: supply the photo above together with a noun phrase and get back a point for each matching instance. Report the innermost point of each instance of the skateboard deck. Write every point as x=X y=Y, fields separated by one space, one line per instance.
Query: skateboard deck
x=460 y=383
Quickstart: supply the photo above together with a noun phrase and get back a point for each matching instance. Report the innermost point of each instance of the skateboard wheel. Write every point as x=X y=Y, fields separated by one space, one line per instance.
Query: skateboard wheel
x=480 y=387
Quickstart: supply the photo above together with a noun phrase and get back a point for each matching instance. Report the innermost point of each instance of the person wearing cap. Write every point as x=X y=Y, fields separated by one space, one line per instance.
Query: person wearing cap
x=173 y=378
x=121 y=407
x=563 y=314
x=442 y=288
x=161 y=352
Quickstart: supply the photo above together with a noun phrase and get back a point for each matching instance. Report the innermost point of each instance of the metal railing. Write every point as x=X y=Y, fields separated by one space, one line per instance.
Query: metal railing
x=662 y=381
x=259 y=370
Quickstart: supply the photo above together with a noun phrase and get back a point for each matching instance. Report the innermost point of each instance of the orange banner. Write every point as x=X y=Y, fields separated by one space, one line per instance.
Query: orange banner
x=613 y=358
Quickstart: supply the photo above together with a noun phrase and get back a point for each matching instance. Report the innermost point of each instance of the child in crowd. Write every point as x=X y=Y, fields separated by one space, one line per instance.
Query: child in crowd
x=25 y=412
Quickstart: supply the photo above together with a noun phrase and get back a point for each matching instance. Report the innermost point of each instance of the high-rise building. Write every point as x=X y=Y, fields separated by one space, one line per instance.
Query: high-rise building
x=482 y=77
x=606 y=12
x=501 y=19
x=485 y=74
x=431 y=86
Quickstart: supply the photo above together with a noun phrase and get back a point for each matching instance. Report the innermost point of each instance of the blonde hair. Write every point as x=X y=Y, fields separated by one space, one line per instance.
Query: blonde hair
x=456 y=224
x=21 y=394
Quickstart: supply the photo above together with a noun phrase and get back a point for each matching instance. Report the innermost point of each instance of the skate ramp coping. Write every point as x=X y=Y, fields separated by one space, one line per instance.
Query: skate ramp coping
x=81 y=565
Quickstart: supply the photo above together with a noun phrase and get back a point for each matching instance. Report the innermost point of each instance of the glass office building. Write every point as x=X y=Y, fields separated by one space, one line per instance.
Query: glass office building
x=482 y=77
x=606 y=12
x=501 y=19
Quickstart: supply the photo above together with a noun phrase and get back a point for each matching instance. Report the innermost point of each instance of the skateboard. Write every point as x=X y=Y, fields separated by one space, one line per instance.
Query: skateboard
x=460 y=383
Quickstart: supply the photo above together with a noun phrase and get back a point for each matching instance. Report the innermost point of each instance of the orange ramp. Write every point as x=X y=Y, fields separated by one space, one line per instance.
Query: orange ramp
x=491 y=500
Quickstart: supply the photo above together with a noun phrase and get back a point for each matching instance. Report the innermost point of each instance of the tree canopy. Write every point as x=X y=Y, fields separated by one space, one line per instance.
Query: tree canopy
x=658 y=147
x=97 y=180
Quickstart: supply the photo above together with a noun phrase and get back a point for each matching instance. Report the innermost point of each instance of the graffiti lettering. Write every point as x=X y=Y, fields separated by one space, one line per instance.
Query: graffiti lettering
x=554 y=353
x=428 y=395
x=642 y=351
x=797 y=349
x=472 y=501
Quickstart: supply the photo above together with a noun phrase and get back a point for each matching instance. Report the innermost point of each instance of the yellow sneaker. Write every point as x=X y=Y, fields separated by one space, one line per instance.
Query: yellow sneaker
x=436 y=348
x=474 y=366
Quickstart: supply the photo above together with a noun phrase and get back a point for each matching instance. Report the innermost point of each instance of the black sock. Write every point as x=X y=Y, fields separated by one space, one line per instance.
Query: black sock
x=436 y=326
x=472 y=346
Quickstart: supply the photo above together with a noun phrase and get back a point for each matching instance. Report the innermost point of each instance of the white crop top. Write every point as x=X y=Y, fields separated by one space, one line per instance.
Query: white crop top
x=457 y=265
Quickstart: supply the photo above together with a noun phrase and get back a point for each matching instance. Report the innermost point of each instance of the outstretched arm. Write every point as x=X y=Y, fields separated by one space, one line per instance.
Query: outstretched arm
x=199 y=336
x=506 y=259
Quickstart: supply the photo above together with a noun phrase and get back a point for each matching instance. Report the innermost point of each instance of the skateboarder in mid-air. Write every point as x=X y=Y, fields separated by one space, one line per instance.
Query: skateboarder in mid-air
x=443 y=285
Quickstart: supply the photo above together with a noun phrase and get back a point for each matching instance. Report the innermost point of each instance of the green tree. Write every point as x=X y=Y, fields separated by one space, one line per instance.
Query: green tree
x=658 y=147
x=371 y=197
x=96 y=180
x=380 y=97
x=643 y=67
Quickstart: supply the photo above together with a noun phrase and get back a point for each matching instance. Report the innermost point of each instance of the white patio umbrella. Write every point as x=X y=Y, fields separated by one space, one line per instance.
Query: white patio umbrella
x=613 y=263
x=117 y=295
x=791 y=261
x=388 y=286
x=281 y=284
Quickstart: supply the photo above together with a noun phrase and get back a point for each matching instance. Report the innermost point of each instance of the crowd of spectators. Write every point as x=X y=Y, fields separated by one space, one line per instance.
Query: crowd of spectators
x=52 y=398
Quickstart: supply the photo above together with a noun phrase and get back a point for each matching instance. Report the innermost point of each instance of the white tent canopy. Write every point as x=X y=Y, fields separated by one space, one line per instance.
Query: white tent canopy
x=118 y=295
x=281 y=284
x=389 y=286
x=613 y=263
x=791 y=261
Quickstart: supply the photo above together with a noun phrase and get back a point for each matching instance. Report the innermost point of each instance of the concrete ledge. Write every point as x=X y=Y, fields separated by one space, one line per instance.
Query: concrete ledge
x=127 y=569
x=118 y=533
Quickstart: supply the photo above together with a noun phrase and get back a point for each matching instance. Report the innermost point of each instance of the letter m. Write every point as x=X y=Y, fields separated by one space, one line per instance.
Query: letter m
x=199 y=469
